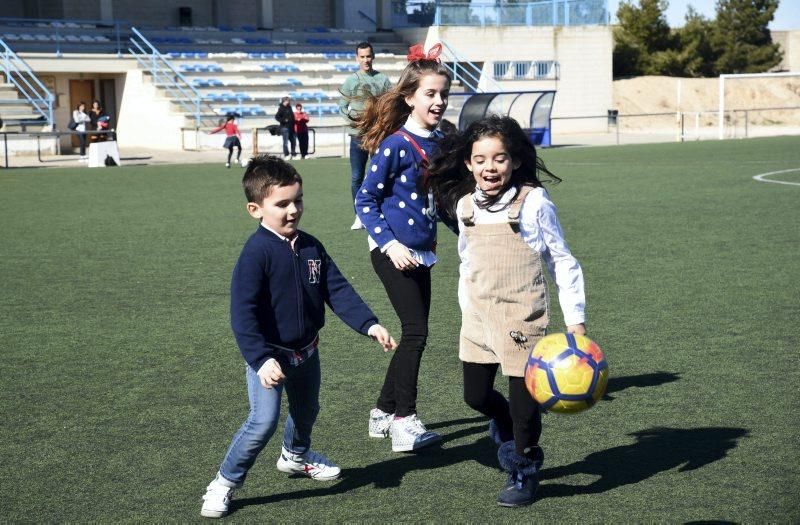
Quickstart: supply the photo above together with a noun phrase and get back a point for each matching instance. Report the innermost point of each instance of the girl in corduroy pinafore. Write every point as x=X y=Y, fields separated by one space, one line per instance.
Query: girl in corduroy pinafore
x=490 y=179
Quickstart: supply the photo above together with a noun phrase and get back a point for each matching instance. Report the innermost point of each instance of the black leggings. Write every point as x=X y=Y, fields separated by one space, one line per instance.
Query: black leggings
x=519 y=416
x=238 y=153
x=410 y=294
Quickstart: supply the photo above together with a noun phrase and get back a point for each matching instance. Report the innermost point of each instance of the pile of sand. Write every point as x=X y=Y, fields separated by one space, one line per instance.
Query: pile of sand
x=656 y=94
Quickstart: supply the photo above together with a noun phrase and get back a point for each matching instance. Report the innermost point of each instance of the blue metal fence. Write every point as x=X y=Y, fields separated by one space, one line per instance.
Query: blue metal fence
x=18 y=73
x=423 y=13
x=164 y=74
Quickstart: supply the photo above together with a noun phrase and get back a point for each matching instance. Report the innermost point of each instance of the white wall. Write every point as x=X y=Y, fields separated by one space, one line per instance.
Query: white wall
x=584 y=53
x=146 y=119
x=790 y=45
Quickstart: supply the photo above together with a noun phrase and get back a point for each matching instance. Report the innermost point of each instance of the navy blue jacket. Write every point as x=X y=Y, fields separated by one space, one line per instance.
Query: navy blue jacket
x=278 y=296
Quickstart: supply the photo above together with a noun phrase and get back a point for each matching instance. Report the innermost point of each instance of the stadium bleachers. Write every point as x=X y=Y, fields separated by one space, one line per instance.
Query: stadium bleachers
x=242 y=70
x=252 y=84
x=103 y=37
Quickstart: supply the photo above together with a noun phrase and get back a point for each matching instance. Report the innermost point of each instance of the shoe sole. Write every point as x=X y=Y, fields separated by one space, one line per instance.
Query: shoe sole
x=514 y=505
x=213 y=513
x=415 y=446
x=290 y=470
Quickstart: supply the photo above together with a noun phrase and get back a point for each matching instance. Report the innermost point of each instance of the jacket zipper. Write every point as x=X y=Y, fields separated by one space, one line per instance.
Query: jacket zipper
x=298 y=290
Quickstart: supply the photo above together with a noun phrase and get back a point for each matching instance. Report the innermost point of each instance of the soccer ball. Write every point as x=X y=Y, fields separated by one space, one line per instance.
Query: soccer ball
x=566 y=373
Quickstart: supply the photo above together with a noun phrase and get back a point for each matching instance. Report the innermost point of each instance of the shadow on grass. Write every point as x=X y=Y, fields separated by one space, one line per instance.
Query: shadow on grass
x=616 y=384
x=656 y=450
x=390 y=473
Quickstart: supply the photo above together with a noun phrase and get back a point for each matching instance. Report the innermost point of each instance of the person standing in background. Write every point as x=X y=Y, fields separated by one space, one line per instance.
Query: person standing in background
x=81 y=118
x=301 y=119
x=356 y=90
x=285 y=118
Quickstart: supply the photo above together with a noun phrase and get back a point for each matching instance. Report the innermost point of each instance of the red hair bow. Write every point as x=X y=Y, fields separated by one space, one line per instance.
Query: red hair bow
x=417 y=52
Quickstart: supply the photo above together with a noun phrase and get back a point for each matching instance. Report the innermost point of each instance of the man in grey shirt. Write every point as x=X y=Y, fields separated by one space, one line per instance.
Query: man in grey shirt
x=355 y=91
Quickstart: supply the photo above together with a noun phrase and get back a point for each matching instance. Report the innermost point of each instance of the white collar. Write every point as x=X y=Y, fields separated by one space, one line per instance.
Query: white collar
x=281 y=237
x=412 y=126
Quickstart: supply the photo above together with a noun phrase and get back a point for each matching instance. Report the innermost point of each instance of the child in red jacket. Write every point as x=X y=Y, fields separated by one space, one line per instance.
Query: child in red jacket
x=301 y=119
x=231 y=140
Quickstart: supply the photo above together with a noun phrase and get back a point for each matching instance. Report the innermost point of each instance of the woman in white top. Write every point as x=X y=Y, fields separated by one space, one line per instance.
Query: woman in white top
x=489 y=179
x=81 y=118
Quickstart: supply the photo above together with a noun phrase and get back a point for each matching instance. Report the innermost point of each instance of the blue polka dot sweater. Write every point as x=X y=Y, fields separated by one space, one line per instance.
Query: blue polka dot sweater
x=391 y=203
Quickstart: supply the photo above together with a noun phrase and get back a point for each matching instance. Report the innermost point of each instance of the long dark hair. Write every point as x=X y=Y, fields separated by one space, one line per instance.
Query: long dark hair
x=449 y=178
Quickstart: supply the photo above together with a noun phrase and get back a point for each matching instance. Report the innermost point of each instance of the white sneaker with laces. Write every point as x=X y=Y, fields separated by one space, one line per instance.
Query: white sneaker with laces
x=217 y=498
x=357 y=224
x=379 y=423
x=311 y=464
x=409 y=434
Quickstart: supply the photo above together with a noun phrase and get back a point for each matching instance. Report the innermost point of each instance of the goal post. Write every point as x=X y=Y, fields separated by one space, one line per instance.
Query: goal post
x=722 y=78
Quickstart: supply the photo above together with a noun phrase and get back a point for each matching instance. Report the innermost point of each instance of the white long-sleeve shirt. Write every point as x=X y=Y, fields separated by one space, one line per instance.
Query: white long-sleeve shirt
x=541 y=230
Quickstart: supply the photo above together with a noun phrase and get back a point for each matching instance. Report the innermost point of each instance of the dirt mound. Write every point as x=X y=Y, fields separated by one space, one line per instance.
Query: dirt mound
x=656 y=94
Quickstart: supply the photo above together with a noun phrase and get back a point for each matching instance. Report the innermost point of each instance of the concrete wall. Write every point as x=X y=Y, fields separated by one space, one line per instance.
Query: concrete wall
x=790 y=45
x=584 y=54
x=262 y=13
x=303 y=13
x=146 y=119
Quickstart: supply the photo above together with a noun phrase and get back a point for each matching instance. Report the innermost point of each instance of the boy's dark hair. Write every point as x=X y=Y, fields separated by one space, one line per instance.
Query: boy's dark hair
x=365 y=45
x=265 y=172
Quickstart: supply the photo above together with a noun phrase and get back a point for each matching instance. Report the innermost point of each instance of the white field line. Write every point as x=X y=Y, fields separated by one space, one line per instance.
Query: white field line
x=762 y=177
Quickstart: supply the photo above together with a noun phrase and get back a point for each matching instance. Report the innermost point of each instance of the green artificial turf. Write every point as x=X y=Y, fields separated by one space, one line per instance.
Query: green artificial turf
x=122 y=385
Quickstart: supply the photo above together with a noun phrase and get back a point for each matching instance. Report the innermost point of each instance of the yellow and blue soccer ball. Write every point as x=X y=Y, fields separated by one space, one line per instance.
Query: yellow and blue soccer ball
x=566 y=373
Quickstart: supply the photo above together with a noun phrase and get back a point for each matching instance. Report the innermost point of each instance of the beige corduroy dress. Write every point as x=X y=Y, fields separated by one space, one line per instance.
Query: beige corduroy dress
x=506 y=292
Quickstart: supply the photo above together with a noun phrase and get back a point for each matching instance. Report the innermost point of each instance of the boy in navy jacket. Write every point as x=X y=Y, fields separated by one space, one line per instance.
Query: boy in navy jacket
x=280 y=285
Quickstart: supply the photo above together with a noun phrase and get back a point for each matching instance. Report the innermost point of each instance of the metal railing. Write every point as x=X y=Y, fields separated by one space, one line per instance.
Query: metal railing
x=21 y=76
x=466 y=72
x=164 y=75
x=423 y=13
x=526 y=70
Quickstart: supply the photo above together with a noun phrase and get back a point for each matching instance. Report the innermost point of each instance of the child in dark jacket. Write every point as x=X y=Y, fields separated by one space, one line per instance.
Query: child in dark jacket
x=280 y=286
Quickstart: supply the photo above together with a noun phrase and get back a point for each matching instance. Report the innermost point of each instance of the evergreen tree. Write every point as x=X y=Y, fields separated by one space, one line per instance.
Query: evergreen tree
x=642 y=31
x=697 y=52
x=741 y=40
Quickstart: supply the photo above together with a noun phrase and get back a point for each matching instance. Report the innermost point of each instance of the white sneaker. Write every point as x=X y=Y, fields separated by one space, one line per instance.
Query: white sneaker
x=227 y=164
x=379 y=423
x=287 y=157
x=357 y=224
x=409 y=434
x=217 y=498
x=311 y=464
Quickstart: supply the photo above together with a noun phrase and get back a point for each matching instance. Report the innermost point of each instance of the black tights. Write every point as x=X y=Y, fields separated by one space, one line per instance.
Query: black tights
x=238 y=154
x=410 y=294
x=519 y=416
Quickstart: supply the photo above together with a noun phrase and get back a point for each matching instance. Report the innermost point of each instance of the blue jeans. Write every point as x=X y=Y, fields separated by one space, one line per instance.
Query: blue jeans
x=302 y=389
x=358 y=163
x=288 y=136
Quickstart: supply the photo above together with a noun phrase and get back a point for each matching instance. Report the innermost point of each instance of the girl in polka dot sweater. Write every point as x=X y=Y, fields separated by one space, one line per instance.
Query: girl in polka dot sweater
x=394 y=206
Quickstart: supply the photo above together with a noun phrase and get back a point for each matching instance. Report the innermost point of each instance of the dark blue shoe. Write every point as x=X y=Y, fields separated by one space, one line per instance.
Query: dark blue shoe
x=520 y=489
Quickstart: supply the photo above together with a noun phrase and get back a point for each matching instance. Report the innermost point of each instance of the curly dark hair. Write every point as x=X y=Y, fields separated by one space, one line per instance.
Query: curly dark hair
x=449 y=178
